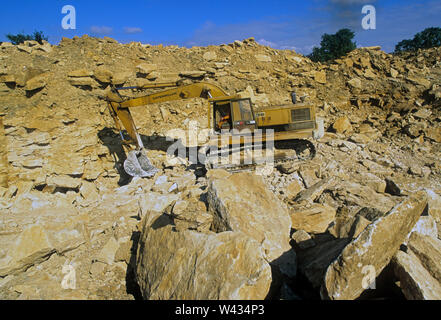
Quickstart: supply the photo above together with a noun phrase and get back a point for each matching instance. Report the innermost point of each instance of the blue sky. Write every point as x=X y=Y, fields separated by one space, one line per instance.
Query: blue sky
x=286 y=24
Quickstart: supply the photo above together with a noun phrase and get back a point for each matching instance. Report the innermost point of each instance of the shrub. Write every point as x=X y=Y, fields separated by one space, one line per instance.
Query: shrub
x=334 y=46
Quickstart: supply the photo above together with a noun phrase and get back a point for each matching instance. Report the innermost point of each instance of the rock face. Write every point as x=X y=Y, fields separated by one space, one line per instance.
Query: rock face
x=188 y=265
x=241 y=202
x=375 y=246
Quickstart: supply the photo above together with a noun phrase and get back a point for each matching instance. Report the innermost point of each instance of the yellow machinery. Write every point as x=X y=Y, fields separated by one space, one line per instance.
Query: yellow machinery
x=232 y=120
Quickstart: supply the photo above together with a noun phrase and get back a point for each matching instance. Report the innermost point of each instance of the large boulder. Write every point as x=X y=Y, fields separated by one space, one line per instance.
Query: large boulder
x=374 y=248
x=362 y=196
x=342 y=125
x=428 y=251
x=188 y=265
x=314 y=261
x=37 y=82
x=31 y=247
x=241 y=202
x=415 y=281
x=38 y=241
x=315 y=219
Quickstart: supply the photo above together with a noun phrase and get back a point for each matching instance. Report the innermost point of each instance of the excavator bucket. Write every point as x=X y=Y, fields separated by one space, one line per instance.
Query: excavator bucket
x=138 y=164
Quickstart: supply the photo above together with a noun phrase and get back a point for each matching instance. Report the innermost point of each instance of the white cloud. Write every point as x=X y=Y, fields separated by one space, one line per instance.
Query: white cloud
x=275 y=45
x=349 y=2
x=101 y=29
x=132 y=30
x=264 y=42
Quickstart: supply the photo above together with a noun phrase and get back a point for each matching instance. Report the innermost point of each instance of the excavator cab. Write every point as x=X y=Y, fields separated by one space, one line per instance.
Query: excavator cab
x=231 y=114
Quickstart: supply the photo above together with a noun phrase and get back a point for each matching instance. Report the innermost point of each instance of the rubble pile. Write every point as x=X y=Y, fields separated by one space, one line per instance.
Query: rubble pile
x=362 y=220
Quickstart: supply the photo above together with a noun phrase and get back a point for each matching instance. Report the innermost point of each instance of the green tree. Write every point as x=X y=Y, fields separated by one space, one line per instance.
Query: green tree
x=21 y=37
x=428 y=38
x=334 y=46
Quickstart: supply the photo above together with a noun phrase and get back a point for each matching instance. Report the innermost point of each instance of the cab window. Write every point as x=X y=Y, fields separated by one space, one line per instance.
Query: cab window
x=245 y=110
x=222 y=115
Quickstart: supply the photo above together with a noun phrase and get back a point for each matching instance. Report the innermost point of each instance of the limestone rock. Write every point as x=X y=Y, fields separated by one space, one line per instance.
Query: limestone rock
x=303 y=239
x=155 y=203
x=103 y=75
x=315 y=219
x=192 y=74
x=7 y=78
x=309 y=176
x=426 y=226
x=191 y=214
x=342 y=125
x=31 y=247
x=210 y=55
x=263 y=58
x=293 y=189
x=434 y=209
x=434 y=133
x=363 y=196
x=369 y=74
x=360 y=138
x=64 y=181
x=120 y=77
x=88 y=191
x=82 y=81
x=153 y=76
x=6 y=45
x=241 y=202
x=37 y=82
x=4 y=164
x=80 y=73
x=46 y=47
x=146 y=68
x=355 y=83
x=428 y=251
x=107 y=253
x=311 y=194
x=24 y=48
x=320 y=76
x=349 y=227
x=393 y=73
x=314 y=261
x=197 y=262
x=415 y=281
x=375 y=246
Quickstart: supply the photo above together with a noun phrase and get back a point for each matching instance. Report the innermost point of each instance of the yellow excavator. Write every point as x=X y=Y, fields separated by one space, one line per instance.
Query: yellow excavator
x=232 y=120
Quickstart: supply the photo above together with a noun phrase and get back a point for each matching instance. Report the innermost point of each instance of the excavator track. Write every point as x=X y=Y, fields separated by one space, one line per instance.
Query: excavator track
x=301 y=150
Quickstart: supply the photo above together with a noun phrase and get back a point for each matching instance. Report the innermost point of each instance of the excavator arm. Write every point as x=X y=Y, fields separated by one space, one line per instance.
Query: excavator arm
x=120 y=109
x=137 y=163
